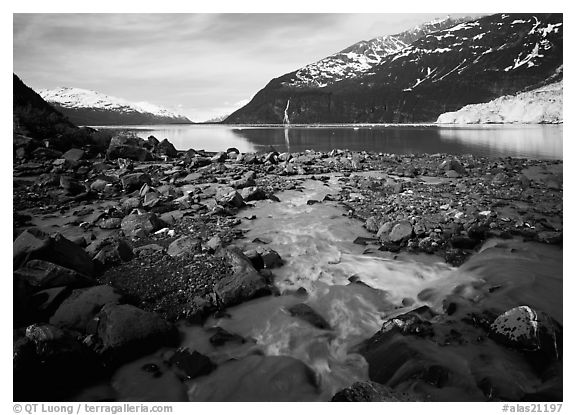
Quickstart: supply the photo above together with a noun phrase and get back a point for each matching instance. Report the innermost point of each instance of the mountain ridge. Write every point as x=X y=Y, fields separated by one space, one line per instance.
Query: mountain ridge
x=88 y=107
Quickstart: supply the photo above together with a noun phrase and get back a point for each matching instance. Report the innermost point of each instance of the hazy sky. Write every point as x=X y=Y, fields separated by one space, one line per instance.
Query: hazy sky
x=202 y=65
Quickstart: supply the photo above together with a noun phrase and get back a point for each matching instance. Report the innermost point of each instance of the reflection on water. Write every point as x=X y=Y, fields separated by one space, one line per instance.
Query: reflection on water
x=530 y=141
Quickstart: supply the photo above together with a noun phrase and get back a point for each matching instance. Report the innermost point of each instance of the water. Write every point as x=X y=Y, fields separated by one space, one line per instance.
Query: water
x=529 y=141
x=286 y=358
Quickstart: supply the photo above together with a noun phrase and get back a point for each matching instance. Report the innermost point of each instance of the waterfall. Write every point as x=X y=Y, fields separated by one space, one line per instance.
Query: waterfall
x=286 y=120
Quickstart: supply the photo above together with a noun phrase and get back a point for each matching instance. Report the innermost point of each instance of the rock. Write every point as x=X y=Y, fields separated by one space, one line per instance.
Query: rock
x=401 y=231
x=524 y=328
x=130 y=203
x=41 y=275
x=384 y=230
x=252 y=193
x=214 y=243
x=74 y=154
x=307 y=313
x=550 y=237
x=35 y=244
x=270 y=258
x=463 y=242
x=113 y=254
x=110 y=223
x=127 y=147
x=152 y=141
x=184 y=245
x=151 y=199
x=372 y=224
x=453 y=164
x=243 y=284
x=165 y=147
x=148 y=250
x=221 y=337
x=246 y=181
x=83 y=305
x=500 y=179
x=199 y=309
x=452 y=174
x=126 y=332
x=135 y=181
x=191 y=365
x=140 y=225
x=229 y=197
x=98 y=185
x=371 y=392
x=45 y=302
x=219 y=157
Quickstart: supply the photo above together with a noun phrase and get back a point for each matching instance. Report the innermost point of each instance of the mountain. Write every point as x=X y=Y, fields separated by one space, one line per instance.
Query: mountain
x=34 y=117
x=439 y=71
x=86 y=107
x=541 y=105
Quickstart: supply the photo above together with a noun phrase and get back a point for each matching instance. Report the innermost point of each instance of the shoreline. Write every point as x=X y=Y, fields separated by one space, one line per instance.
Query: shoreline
x=156 y=236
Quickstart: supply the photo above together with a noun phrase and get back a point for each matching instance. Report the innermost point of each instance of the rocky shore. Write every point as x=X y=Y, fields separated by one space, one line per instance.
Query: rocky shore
x=112 y=248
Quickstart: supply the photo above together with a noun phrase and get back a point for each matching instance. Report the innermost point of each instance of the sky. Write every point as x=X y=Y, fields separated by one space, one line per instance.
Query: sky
x=201 y=65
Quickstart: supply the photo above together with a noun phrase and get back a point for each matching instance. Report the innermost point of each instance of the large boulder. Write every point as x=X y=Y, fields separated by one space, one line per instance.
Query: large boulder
x=128 y=147
x=35 y=244
x=244 y=283
x=126 y=332
x=227 y=196
x=140 y=224
x=83 y=305
x=165 y=147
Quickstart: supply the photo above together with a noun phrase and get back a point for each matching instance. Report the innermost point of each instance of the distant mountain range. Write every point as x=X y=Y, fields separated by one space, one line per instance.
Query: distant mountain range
x=86 y=107
x=416 y=75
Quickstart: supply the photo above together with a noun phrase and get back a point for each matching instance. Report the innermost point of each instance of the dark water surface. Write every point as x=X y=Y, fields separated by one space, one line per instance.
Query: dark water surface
x=529 y=141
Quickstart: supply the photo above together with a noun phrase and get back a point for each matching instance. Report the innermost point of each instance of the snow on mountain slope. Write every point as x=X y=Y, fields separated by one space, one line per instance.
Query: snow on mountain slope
x=83 y=99
x=361 y=57
x=539 y=106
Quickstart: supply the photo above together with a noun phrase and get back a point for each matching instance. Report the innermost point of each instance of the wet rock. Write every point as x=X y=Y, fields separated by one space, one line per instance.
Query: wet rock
x=83 y=305
x=41 y=275
x=243 y=284
x=183 y=246
x=135 y=181
x=191 y=365
x=463 y=242
x=270 y=258
x=35 y=244
x=199 y=309
x=44 y=303
x=126 y=332
x=140 y=224
x=524 y=328
x=221 y=337
x=550 y=237
x=371 y=392
x=308 y=314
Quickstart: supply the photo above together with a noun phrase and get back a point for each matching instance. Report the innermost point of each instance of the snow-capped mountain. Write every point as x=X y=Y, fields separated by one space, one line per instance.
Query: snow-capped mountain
x=441 y=71
x=541 y=105
x=86 y=107
x=361 y=57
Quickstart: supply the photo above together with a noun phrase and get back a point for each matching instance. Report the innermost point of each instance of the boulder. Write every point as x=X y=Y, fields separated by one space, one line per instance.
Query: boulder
x=110 y=223
x=126 y=332
x=527 y=329
x=184 y=245
x=127 y=147
x=113 y=254
x=243 y=283
x=453 y=164
x=35 y=244
x=400 y=232
x=140 y=224
x=83 y=305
